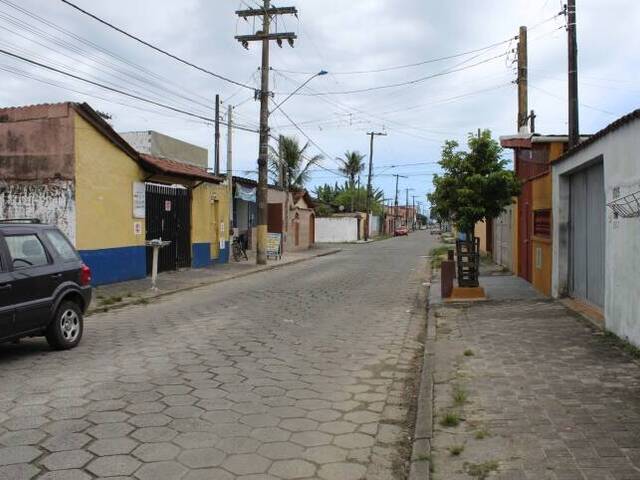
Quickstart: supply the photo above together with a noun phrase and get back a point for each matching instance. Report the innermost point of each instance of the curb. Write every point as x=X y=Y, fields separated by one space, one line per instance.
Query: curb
x=420 y=468
x=144 y=300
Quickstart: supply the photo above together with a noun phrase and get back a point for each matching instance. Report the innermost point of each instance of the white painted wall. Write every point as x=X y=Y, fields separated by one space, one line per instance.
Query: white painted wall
x=50 y=202
x=374 y=226
x=336 y=229
x=621 y=158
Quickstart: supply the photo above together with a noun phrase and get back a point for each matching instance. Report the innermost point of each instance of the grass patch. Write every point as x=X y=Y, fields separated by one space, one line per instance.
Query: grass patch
x=450 y=419
x=426 y=458
x=436 y=255
x=456 y=450
x=481 y=470
x=142 y=301
x=468 y=353
x=110 y=300
x=459 y=395
x=481 y=434
x=623 y=344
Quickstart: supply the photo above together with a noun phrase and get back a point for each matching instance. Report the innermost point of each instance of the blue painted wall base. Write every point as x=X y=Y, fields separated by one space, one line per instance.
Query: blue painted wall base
x=111 y=265
x=200 y=255
x=223 y=256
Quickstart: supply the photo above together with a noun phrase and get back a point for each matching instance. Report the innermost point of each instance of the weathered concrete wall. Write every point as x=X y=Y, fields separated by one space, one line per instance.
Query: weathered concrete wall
x=36 y=143
x=619 y=151
x=50 y=202
x=164 y=146
x=336 y=229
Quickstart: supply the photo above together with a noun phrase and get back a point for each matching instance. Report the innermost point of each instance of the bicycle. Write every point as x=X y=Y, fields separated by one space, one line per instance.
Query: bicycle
x=238 y=249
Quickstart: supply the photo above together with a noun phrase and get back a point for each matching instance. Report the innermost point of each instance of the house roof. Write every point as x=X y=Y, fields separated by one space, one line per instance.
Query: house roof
x=147 y=162
x=171 y=167
x=621 y=122
x=525 y=140
x=52 y=110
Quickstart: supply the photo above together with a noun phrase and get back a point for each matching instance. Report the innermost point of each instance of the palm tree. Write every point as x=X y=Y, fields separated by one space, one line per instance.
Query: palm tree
x=294 y=161
x=352 y=166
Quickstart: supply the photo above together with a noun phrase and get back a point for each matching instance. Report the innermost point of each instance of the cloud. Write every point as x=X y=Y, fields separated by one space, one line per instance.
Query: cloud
x=339 y=36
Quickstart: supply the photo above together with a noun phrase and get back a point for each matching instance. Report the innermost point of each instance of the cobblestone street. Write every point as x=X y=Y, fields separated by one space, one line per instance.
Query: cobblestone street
x=301 y=372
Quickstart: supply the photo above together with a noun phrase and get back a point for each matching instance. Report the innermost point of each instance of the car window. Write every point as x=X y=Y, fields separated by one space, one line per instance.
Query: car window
x=61 y=245
x=26 y=251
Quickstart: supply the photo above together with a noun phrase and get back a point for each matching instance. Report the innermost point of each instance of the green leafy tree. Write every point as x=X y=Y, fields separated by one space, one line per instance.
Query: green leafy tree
x=357 y=197
x=351 y=166
x=295 y=162
x=475 y=185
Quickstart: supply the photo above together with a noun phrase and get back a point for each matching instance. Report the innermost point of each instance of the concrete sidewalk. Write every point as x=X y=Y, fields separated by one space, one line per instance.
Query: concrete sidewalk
x=133 y=292
x=526 y=389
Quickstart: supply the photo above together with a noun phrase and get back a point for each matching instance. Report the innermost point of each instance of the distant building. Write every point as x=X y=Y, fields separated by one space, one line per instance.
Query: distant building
x=163 y=146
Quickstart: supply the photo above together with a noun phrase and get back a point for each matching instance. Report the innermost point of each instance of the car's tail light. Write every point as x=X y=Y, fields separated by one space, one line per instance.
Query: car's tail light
x=85 y=275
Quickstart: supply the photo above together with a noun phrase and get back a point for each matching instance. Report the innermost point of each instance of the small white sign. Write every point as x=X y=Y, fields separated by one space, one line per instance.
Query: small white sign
x=137 y=228
x=221 y=227
x=139 y=200
x=167 y=205
x=222 y=244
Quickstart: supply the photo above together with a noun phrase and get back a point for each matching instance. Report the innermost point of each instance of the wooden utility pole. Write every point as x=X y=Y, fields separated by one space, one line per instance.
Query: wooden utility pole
x=395 y=212
x=230 y=165
x=265 y=36
x=413 y=221
x=574 y=127
x=216 y=164
x=523 y=80
x=368 y=203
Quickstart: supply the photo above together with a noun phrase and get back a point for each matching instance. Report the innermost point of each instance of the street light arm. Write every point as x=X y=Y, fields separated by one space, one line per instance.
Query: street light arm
x=320 y=73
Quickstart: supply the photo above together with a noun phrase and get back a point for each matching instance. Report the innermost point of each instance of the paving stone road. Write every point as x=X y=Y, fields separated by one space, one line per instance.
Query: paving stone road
x=301 y=372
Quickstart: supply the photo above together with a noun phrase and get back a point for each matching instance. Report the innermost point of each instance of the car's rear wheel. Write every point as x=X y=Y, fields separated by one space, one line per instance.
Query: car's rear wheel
x=65 y=331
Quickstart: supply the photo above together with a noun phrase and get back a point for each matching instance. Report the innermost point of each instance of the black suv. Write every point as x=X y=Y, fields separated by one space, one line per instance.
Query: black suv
x=44 y=286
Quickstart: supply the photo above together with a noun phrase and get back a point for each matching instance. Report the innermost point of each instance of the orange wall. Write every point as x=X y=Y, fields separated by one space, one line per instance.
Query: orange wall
x=542 y=247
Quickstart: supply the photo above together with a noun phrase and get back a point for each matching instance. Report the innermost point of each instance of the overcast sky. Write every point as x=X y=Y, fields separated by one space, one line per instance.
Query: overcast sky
x=340 y=37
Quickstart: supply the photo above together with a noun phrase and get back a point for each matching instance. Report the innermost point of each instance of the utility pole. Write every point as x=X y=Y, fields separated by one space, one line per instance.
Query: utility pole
x=406 y=208
x=574 y=127
x=523 y=74
x=372 y=135
x=413 y=199
x=395 y=210
x=230 y=165
x=265 y=37
x=284 y=183
x=216 y=165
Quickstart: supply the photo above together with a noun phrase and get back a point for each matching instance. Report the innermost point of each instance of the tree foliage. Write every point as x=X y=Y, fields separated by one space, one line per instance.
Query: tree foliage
x=295 y=162
x=351 y=199
x=475 y=184
x=351 y=165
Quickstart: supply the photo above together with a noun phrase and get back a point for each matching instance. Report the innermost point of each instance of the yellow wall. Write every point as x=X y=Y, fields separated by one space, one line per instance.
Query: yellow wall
x=210 y=208
x=542 y=247
x=104 y=192
x=514 y=234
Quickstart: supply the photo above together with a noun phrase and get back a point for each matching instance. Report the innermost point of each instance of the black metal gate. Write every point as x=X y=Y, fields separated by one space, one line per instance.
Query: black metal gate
x=168 y=217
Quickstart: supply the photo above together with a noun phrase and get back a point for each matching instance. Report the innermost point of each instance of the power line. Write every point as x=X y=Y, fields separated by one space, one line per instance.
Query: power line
x=410 y=65
x=402 y=84
x=85 y=53
x=154 y=47
x=116 y=90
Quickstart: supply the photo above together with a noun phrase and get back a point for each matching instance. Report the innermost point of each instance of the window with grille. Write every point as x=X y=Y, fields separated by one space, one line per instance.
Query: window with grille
x=542 y=223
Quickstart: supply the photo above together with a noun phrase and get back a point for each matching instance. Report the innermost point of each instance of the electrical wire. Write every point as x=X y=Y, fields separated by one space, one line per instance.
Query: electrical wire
x=409 y=65
x=403 y=84
x=116 y=90
x=154 y=47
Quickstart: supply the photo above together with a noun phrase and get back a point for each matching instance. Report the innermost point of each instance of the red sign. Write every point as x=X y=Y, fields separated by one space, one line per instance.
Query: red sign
x=167 y=205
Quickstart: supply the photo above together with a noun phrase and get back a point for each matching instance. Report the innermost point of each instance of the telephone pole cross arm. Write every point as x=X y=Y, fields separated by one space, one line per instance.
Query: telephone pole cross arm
x=372 y=135
x=265 y=36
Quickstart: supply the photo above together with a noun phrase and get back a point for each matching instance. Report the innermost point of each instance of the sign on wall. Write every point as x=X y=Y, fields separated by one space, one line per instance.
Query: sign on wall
x=137 y=228
x=167 y=205
x=139 y=200
x=274 y=245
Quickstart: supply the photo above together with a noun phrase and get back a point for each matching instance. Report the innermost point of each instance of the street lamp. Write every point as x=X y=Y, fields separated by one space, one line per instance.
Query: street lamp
x=319 y=74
